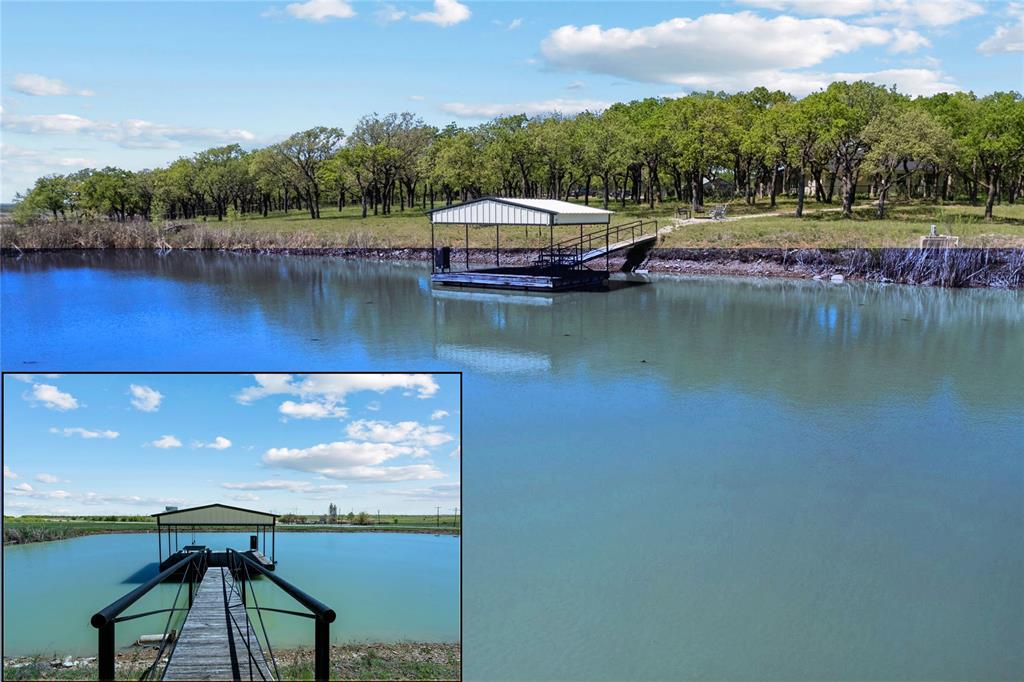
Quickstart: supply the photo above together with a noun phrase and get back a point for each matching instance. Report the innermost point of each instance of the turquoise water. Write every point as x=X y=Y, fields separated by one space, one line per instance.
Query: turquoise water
x=682 y=479
x=383 y=587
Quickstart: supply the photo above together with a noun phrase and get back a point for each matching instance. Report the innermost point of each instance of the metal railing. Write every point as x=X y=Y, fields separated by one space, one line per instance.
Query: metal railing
x=571 y=252
x=104 y=620
x=240 y=566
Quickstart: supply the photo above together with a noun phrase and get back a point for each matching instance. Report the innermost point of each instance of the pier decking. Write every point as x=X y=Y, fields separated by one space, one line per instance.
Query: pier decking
x=213 y=641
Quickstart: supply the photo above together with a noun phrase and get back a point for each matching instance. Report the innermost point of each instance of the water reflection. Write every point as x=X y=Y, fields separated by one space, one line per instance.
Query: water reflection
x=797 y=338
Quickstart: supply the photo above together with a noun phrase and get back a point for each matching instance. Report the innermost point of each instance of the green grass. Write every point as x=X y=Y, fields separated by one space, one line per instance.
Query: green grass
x=821 y=227
x=903 y=225
x=41 y=529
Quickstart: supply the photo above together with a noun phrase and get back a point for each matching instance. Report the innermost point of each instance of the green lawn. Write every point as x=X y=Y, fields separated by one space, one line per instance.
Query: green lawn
x=18 y=531
x=822 y=226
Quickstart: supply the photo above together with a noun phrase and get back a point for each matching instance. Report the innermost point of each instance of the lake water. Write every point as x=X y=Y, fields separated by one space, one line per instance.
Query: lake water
x=383 y=587
x=682 y=479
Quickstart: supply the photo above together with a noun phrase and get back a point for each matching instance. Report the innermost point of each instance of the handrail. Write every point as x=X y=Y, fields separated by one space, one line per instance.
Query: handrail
x=322 y=614
x=106 y=618
x=317 y=607
x=571 y=251
x=107 y=615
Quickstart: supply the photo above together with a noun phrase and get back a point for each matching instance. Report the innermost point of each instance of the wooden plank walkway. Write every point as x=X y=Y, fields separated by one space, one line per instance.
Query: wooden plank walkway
x=210 y=646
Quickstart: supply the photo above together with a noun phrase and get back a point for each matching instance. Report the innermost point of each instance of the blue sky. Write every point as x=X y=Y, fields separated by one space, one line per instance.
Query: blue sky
x=131 y=444
x=137 y=84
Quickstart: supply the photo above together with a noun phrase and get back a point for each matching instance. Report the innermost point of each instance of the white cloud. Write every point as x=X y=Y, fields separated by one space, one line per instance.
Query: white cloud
x=575 y=85
x=53 y=398
x=129 y=133
x=47 y=478
x=290 y=486
x=165 y=442
x=323 y=395
x=692 y=52
x=85 y=433
x=145 y=398
x=8 y=473
x=312 y=410
x=490 y=110
x=1008 y=37
x=389 y=14
x=417 y=98
x=373 y=406
x=25 y=490
x=446 y=13
x=321 y=10
x=445 y=491
x=514 y=24
x=336 y=386
x=347 y=460
x=34 y=159
x=30 y=378
x=408 y=433
x=907 y=41
x=930 y=13
x=438 y=414
x=218 y=443
x=42 y=86
x=98 y=498
x=243 y=497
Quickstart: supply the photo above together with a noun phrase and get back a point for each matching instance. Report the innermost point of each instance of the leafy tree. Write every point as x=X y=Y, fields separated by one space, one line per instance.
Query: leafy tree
x=850 y=107
x=997 y=139
x=306 y=152
x=900 y=134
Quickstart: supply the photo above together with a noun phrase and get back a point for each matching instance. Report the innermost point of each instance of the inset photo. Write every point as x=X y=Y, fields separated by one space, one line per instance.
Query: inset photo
x=232 y=526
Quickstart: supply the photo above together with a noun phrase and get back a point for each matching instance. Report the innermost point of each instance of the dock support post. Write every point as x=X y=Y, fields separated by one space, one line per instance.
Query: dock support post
x=322 y=650
x=467 y=246
x=106 y=652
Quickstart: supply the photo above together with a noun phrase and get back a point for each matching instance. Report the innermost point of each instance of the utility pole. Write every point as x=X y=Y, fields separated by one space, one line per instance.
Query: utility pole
x=439 y=517
x=378 y=517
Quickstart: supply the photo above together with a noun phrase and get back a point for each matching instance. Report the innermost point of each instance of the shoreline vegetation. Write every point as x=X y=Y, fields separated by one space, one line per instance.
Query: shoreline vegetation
x=749 y=242
x=361 y=661
x=17 y=532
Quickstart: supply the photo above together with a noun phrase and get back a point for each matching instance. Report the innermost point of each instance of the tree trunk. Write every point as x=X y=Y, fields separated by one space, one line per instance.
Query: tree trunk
x=800 y=194
x=993 y=184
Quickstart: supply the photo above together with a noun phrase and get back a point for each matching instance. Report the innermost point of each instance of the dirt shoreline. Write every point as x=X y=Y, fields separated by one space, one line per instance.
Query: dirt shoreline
x=990 y=267
x=385 y=660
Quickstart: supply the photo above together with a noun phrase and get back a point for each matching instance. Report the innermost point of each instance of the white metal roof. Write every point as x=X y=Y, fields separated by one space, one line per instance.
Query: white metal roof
x=215 y=515
x=503 y=211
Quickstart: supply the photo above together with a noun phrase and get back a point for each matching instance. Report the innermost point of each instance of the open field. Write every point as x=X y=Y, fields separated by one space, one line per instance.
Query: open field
x=38 y=529
x=821 y=227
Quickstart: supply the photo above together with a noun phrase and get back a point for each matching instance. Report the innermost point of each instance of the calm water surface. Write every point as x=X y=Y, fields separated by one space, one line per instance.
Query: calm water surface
x=383 y=586
x=684 y=479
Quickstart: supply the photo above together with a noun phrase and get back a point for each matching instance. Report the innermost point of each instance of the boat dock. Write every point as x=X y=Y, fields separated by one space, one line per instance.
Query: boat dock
x=217 y=641
x=223 y=635
x=558 y=265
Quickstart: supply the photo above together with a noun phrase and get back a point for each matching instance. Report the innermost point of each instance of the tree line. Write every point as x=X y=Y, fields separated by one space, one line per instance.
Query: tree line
x=752 y=146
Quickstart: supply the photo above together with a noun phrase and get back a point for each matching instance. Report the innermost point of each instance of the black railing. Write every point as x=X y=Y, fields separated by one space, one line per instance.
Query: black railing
x=572 y=252
x=194 y=567
x=323 y=616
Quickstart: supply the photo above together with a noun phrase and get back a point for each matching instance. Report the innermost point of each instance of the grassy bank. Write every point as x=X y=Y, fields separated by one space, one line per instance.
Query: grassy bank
x=397 y=661
x=821 y=227
x=41 y=530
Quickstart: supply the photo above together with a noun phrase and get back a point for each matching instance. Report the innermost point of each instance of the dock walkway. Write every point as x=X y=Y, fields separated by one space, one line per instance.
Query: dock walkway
x=212 y=643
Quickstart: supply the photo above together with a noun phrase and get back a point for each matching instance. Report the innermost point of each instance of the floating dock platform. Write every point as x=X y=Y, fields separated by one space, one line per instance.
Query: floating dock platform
x=525 y=278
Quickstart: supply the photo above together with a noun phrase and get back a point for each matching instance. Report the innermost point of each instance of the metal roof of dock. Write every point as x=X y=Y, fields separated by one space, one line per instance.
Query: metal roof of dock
x=215 y=515
x=507 y=211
